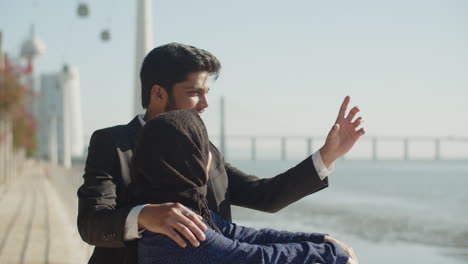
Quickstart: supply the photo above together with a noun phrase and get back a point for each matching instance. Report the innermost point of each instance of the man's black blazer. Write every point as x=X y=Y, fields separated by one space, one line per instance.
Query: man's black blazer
x=105 y=200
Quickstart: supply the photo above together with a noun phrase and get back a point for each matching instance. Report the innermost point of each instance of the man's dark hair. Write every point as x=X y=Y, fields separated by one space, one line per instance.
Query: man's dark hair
x=169 y=64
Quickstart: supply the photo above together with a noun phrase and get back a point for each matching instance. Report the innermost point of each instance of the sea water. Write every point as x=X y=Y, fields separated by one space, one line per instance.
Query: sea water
x=388 y=211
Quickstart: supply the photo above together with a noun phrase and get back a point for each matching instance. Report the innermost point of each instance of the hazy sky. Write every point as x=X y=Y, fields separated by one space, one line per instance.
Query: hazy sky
x=286 y=64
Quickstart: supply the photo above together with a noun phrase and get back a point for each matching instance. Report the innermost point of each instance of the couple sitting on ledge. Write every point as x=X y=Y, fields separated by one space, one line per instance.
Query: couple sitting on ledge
x=157 y=191
x=170 y=164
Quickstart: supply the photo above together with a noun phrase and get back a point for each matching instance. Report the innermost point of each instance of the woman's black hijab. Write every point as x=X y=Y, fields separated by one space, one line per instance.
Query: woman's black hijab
x=170 y=160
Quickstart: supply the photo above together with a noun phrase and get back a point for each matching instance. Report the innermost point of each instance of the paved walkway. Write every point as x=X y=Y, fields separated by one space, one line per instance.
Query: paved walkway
x=35 y=225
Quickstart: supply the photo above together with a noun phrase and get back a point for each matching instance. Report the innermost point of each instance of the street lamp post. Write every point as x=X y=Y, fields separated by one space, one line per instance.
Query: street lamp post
x=144 y=42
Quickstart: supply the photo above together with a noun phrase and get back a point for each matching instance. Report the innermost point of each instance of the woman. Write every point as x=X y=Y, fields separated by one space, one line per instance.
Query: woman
x=170 y=164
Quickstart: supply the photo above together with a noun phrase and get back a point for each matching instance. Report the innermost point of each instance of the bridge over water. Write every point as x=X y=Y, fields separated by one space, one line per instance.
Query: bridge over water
x=374 y=147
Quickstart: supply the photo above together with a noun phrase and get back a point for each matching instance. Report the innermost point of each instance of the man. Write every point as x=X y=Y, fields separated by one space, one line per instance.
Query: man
x=177 y=76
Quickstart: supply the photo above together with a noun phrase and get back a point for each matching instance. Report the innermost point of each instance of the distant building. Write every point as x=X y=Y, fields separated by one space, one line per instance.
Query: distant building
x=60 y=134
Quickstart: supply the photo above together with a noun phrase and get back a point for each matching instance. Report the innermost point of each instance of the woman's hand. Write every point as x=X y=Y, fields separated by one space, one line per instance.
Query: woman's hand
x=349 y=250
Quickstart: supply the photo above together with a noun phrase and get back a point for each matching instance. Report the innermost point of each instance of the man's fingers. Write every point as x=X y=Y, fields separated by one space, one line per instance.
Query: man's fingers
x=352 y=113
x=195 y=225
x=362 y=131
x=184 y=231
x=358 y=122
x=343 y=107
x=198 y=221
x=174 y=236
x=334 y=130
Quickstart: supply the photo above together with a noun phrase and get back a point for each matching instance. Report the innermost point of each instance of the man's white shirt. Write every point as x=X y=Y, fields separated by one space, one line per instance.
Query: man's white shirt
x=131 y=223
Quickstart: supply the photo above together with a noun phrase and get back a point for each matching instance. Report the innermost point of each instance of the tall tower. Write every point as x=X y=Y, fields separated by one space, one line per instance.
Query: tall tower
x=60 y=123
x=30 y=49
x=144 y=43
x=72 y=109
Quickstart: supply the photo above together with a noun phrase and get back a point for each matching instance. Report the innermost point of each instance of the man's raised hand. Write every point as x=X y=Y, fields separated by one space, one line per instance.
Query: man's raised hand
x=343 y=134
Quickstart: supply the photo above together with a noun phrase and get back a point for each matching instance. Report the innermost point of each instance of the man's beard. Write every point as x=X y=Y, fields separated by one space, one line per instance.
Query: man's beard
x=171 y=104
